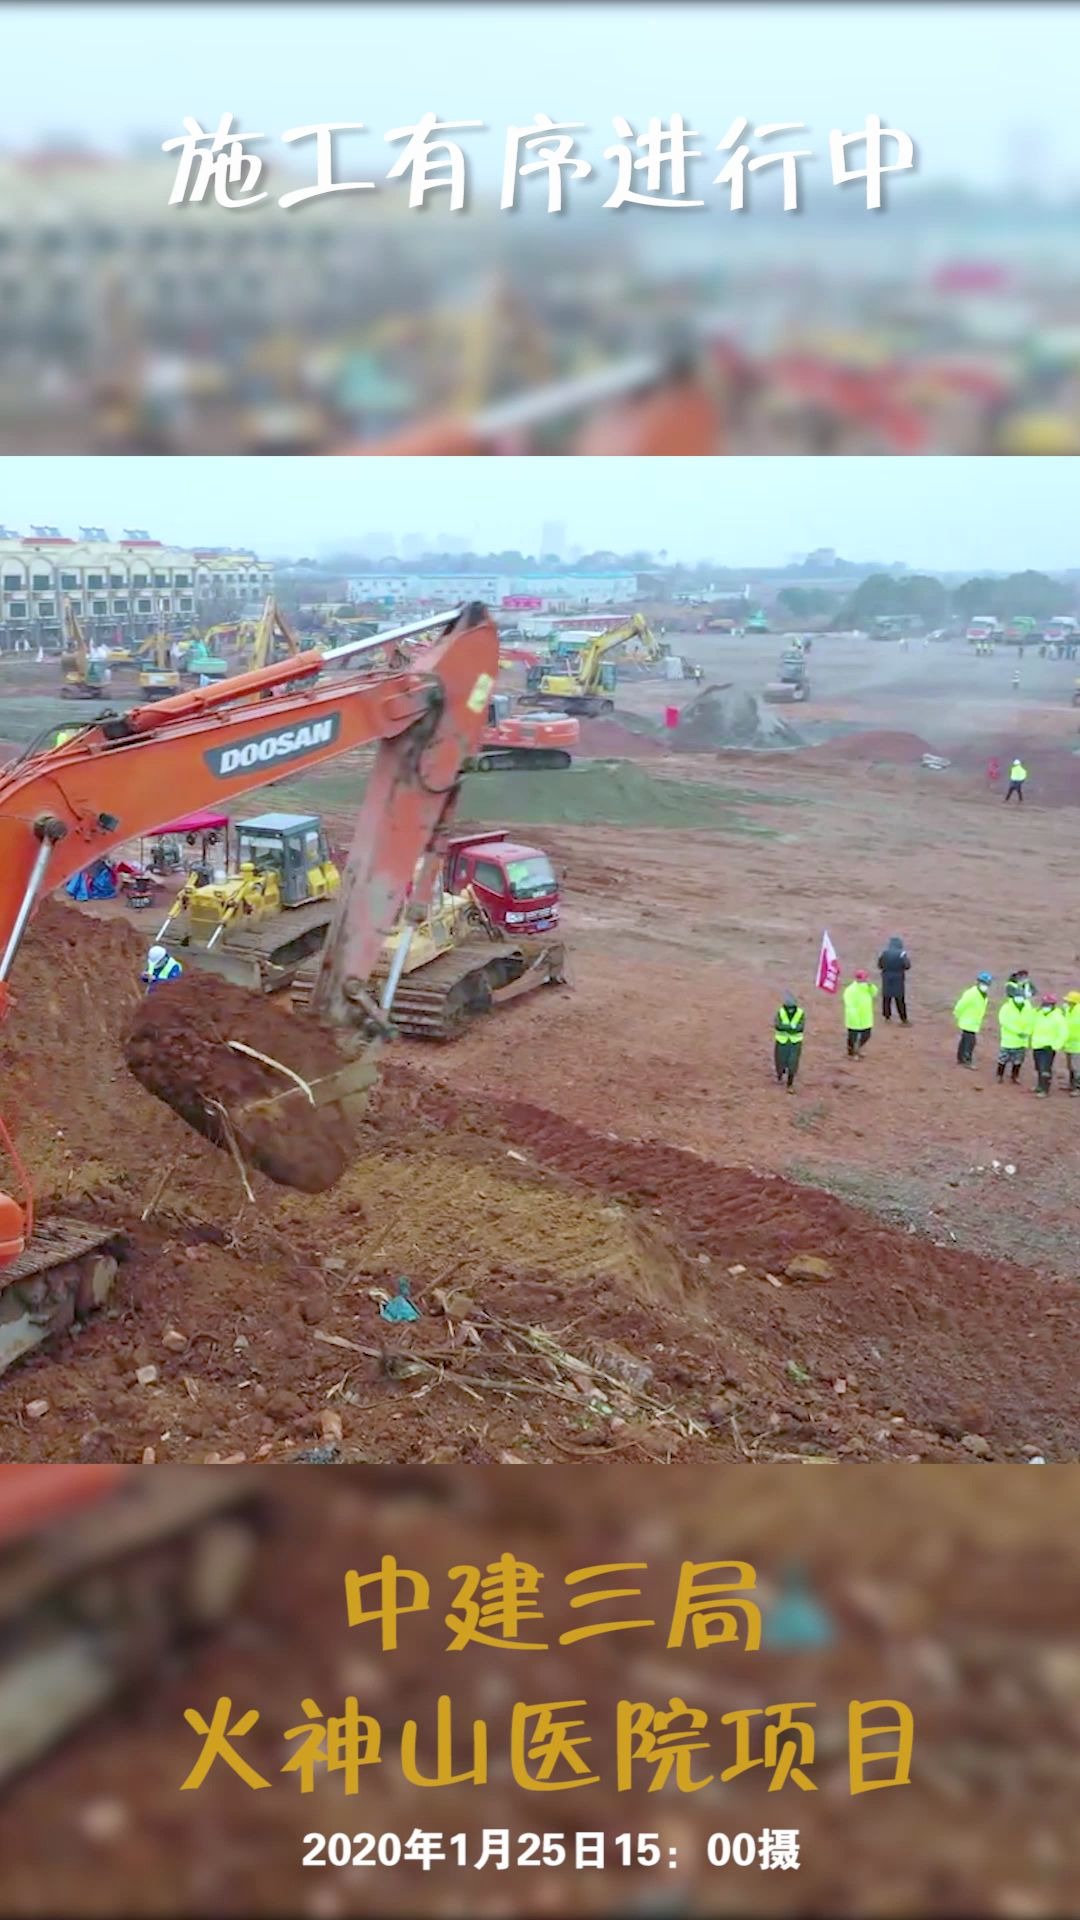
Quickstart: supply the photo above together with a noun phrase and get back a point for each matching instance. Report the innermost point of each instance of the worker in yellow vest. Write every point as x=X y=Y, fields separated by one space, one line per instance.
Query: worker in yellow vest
x=1017 y=776
x=1047 y=1040
x=859 y=995
x=1072 y=1039
x=1015 y=1016
x=788 y=1030
x=969 y=1014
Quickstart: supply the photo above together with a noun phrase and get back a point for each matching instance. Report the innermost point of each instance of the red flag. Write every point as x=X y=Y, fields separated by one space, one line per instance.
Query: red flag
x=828 y=966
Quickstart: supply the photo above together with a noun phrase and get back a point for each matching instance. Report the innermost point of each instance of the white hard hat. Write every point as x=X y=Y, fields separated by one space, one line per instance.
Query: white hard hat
x=156 y=956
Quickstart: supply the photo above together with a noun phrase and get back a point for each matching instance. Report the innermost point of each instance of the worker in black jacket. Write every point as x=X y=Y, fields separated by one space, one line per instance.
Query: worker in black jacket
x=894 y=964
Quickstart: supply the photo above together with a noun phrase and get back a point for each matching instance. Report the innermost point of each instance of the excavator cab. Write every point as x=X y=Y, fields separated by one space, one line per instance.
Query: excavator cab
x=294 y=847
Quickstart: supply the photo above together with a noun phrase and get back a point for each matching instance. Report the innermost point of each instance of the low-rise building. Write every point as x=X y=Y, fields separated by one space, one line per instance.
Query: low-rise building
x=117 y=587
x=547 y=591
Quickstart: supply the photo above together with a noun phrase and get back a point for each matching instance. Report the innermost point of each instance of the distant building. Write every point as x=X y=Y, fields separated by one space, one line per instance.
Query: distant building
x=116 y=584
x=553 y=591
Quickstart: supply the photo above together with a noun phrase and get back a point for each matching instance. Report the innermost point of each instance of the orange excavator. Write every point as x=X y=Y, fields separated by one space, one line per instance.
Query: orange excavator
x=62 y=807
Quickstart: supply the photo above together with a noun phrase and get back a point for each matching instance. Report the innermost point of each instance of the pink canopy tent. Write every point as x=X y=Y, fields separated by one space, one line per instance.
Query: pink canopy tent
x=204 y=822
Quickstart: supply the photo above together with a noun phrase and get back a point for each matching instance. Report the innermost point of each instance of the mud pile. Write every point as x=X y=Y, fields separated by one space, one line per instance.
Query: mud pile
x=610 y=738
x=182 y=1049
x=875 y=746
x=718 y=718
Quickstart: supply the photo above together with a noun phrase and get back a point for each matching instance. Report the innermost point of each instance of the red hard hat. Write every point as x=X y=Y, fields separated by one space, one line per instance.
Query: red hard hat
x=860 y=975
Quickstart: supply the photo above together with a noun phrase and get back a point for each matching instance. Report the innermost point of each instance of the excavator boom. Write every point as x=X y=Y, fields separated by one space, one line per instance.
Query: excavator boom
x=62 y=808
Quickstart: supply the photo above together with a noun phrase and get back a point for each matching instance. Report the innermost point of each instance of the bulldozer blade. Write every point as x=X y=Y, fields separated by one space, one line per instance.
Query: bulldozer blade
x=545 y=970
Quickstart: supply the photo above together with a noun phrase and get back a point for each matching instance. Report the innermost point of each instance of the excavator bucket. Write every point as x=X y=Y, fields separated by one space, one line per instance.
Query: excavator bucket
x=272 y=1088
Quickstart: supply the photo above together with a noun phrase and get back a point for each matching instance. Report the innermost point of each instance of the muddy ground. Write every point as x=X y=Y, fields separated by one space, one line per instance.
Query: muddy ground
x=600 y=1193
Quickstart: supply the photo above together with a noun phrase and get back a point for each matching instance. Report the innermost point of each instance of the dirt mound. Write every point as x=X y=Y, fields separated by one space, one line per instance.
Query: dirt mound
x=181 y=1048
x=885 y=748
x=718 y=718
x=609 y=739
x=576 y=1290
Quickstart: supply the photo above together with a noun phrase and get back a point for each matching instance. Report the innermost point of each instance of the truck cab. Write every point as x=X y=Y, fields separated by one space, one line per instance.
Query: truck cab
x=516 y=885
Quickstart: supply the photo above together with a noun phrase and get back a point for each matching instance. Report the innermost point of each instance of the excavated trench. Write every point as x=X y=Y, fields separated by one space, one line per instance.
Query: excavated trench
x=578 y=1293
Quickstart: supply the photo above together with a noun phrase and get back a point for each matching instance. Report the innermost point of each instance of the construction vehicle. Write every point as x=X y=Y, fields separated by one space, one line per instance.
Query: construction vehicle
x=85 y=678
x=264 y=927
x=463 y=957
x=201 y=666
x=1063 y=630
x=984 y=629
x=791 y=682
x=62 y=807
x=273 y=626
x=1022 y=631
x=256 y=926
x=586 y=687
x=157 y=675
x=105 y=1572
x=524 y=743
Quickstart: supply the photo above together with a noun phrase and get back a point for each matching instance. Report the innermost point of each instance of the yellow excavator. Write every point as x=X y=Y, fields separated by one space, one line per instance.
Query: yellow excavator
x=157 y=675
x=85 y=678
x=273 y=626
x=586 y=687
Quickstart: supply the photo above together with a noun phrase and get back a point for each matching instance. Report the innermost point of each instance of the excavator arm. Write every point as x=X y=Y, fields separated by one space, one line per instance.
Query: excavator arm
x=62 y=808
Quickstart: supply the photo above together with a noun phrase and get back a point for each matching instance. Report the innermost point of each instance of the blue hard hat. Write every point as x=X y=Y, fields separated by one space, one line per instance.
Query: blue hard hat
x=984 y=979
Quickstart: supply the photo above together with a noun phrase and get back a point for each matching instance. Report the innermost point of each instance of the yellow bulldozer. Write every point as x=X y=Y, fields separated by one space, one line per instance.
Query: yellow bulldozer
x=257 y=925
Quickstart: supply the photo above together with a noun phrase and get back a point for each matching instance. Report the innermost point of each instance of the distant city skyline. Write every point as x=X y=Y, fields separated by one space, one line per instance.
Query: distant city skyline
x=956 y=515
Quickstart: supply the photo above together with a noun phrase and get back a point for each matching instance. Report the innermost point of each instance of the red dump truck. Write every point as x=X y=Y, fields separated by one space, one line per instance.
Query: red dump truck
x=515 y=884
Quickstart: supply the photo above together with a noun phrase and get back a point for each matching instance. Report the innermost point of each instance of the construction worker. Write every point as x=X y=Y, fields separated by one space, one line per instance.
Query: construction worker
x=859 y=996
x=1017 y=776
x=1047 y=1039
x=788 y=1029
x=1072 y=1039
x=1015 y=1016
x=894 y=963
x=969 y=1014
x=160 y=966
x=1022 y=979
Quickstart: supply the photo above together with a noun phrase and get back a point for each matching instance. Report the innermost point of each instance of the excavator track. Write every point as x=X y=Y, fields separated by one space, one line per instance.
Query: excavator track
x=65 y=1273
x=262 y=954
x=93 y=1596
x=438 y=1001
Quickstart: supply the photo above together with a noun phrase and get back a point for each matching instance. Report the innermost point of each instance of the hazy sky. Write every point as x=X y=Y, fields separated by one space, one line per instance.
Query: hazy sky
x=956 y=77
x=944 y=513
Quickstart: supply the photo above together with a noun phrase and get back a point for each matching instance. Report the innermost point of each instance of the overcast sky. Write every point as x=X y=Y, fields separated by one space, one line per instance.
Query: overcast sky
x=943 y=513
x=956 y=77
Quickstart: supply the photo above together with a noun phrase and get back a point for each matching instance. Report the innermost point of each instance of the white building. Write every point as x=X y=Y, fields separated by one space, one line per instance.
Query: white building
x=117 y=585
x=554 y=592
